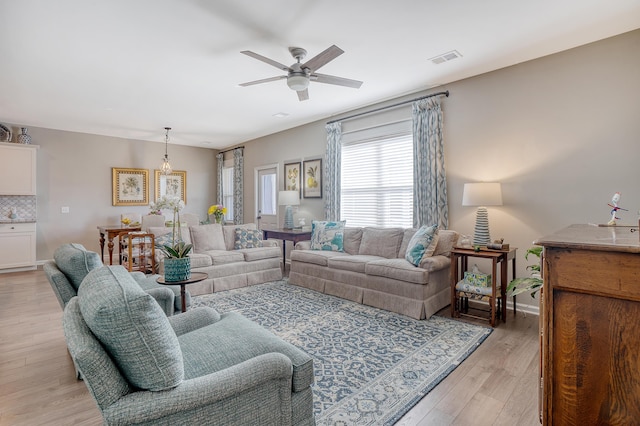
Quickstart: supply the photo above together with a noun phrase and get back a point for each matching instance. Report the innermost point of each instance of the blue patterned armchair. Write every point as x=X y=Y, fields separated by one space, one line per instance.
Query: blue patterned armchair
x=72 y=262
x=198 y=367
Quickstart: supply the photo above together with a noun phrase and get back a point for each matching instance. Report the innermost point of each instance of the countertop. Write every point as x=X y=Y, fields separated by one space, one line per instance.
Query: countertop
x=594 y=237
x=17 y=220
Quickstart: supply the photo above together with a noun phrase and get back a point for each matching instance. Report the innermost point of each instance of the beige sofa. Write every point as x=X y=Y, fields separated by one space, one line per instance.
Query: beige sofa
x=227 y=268
x=372 y=270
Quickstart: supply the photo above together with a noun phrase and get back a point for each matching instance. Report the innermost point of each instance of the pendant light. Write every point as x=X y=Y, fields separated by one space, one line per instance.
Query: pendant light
x=166 y=166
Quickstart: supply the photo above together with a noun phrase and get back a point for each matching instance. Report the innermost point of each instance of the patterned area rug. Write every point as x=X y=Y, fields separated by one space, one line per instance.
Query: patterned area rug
x=371 y=366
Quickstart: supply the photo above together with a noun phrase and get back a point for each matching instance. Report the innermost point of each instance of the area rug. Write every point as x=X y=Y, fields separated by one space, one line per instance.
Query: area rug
x=371 y=366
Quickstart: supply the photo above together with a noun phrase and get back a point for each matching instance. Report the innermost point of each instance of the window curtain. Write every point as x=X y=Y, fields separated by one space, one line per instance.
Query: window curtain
x=238 y=186
x=429 y=178
x=332 y=172
x=220 y=163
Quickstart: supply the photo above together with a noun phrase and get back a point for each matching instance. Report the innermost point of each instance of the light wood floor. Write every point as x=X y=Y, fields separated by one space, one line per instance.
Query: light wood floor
x=496 y=385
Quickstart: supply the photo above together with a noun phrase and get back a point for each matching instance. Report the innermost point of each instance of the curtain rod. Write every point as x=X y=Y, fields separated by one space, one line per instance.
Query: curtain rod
x=388 y=106
x=231 y=149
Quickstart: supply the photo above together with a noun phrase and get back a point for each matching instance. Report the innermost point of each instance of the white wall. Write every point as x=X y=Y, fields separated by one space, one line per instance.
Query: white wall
x=560 y=133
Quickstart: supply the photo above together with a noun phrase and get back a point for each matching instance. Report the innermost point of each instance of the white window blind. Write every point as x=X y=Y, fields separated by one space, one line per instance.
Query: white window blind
x=377 y=182
x=227 y=191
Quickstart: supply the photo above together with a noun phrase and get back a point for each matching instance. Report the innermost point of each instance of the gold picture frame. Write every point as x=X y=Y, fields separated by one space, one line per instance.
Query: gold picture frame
x=312 y=178
x=293 y=178
x=175 y=183
x=130 y=187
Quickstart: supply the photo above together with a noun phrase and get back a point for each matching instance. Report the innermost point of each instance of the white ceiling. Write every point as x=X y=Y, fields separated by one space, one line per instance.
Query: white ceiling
x=128 y=68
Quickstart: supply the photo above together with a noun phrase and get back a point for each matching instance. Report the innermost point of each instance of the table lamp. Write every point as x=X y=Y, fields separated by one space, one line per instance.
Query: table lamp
x=482 y=194
x=289 y=199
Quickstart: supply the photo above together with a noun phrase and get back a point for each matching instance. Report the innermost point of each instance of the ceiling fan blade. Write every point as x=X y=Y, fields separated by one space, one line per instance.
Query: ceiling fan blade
x=323 y=58
x=264 y=80
x=266 y=60
x=303 y=95
x=332 y=79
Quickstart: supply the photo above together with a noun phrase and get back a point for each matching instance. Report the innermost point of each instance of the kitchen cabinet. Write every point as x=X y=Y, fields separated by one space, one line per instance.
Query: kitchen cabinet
x=590 y=339
x=18 y=245
x=17 y=169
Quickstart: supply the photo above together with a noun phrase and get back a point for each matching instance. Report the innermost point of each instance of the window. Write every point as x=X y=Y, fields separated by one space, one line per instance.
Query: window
x=227 y=190
x=377 y=181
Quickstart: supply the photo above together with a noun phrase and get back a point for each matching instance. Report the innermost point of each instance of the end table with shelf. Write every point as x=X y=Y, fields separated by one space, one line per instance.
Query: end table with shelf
x=460 y=262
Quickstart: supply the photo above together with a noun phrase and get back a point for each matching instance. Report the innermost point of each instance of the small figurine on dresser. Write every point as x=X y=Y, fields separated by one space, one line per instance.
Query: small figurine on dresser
x=615 y=208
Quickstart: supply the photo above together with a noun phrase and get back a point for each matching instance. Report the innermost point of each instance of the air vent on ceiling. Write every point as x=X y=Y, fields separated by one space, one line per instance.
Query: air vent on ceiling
x=445 y=57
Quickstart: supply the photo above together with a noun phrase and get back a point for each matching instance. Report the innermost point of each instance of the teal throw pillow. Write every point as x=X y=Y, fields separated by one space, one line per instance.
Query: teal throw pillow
x=326 y=235
x=247 y=238
x=422 y=244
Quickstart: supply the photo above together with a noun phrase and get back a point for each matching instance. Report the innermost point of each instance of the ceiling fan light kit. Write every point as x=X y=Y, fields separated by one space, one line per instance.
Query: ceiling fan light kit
x=299 y=75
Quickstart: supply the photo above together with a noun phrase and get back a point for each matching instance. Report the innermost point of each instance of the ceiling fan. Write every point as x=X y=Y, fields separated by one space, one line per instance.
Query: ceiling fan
x=299 y=74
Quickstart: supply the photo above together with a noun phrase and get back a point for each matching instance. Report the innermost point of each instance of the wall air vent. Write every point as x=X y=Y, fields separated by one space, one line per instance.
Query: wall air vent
x=445 y=57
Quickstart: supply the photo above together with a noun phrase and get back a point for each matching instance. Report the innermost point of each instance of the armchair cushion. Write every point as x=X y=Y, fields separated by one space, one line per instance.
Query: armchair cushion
x=133 y=329
x=76 y=262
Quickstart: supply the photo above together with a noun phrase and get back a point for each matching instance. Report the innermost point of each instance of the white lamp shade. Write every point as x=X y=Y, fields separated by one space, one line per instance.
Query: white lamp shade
x=482 y=194
x=288 y=198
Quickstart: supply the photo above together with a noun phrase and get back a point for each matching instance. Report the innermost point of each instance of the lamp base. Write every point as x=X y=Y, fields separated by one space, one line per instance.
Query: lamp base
x=288 y=218
x=481 y=232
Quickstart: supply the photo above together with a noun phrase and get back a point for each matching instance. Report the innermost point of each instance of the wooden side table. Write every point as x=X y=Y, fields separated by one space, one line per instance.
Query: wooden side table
x=461 y=256
x=196 y=277
x=295 y=235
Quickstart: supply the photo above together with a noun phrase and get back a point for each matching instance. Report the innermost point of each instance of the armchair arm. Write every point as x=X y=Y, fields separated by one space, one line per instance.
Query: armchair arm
x=435 y=263
x=165 y=298
x=208 y=396
x=193 y=319
x=269 y=243
x=303 y=245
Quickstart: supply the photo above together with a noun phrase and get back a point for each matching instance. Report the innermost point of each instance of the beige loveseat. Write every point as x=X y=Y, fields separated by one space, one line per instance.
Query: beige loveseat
x=373 y=271
x=227 y=268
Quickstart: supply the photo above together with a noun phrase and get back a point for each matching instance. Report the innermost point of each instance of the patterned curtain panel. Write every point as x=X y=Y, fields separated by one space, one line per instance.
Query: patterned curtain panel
x=429 y=178
x=238 y=185
x=220 y=163
x=332 y=172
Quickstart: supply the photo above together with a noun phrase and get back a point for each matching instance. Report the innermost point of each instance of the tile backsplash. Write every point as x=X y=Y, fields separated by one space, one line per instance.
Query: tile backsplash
x=25 y=205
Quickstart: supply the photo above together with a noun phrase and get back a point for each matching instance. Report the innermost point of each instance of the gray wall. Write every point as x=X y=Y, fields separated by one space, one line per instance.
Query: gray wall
x=74 y=170
x=560 y=133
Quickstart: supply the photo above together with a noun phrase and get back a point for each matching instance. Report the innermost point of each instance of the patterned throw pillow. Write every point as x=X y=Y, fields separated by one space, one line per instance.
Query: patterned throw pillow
x=327 y=235
x=166 y=240
x=422 y=244
x=247 y=238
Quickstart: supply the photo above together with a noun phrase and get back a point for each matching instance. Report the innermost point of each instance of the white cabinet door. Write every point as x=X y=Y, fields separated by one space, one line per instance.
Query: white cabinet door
x=17 y=245
x=17 y=169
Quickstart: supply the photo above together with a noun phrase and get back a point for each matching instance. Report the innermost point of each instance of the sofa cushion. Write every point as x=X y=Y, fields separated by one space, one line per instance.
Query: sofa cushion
x=352 y=239
x=229 y=232
x=317 y=257
x=165 y=233
x=207 y=237
x=422 y=244
x=200 y=260
x=327 y=235
x=355 y=263
x=446 y=240
x=383 y=242
x=247 y=238
x=259 y=253
x=397 y=269
x=76 y=262
x=223 y=257
x=408 y=234
x=132 y=328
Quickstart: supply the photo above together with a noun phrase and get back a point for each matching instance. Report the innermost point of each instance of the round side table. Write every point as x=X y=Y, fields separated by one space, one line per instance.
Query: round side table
x=196 y=277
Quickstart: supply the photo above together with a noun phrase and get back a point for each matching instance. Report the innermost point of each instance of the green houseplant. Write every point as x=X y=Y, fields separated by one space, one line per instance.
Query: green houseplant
x=177 y=264
x=532 y=283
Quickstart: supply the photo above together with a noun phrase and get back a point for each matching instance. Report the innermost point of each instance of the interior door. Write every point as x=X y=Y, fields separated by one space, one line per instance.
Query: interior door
x=266 y=190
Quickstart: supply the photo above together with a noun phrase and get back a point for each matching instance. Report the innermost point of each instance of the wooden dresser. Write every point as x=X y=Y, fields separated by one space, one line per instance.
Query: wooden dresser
x=590 y=326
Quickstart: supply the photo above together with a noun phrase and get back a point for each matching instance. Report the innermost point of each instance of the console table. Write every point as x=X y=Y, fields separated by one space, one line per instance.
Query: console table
x=295 y=235
x=112 y=231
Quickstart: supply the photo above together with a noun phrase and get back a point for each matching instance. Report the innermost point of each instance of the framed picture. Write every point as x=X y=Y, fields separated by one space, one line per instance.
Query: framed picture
x=130 y=187
x=292 y=178
x=174 y=183
x=312 y=178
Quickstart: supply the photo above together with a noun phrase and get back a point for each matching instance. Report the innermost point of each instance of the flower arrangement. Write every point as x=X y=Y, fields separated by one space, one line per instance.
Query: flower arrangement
x=178 y=248
x=218 y=211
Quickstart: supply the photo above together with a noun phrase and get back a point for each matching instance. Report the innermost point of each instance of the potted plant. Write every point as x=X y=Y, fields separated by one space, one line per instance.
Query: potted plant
x=532 y=283
x=177 y=264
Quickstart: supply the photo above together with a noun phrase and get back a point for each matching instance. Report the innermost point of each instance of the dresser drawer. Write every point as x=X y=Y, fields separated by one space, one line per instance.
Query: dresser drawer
x=17 y=227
